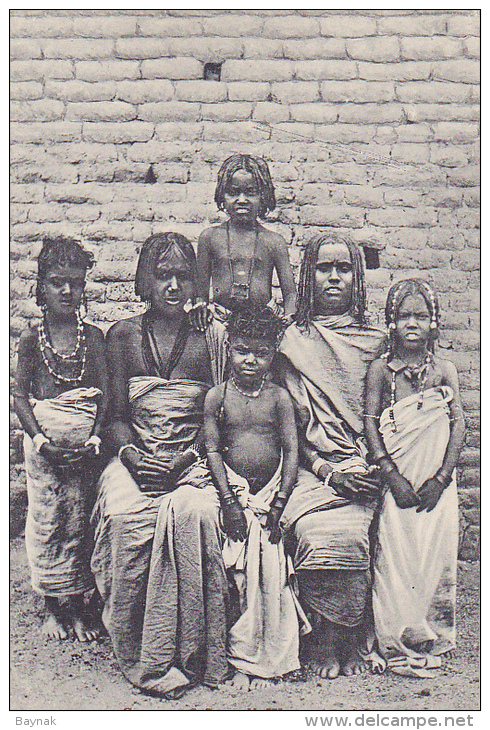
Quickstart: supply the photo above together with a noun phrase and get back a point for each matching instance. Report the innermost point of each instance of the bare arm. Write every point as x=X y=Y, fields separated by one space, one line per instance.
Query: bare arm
x=234 y=521
x=119 y=430
x=23 y=381
x=286 y=423
x=431 y=491
x=204 y=265
x=101 y=377
x=285 y=275
x=403 y=492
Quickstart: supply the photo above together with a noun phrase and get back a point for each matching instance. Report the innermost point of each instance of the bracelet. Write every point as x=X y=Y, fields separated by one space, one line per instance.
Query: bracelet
x=444 y=479
x=228 y=498
x=378 y=455
x=389 y=468
x=194 y=450
x=123 y=448
x=317 y=465
x=38 y=440
x=94 y=441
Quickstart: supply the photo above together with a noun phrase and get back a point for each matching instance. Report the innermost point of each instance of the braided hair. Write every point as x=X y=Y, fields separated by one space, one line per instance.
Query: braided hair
x=260 y=323
x=152 y=250
x=306 y=286
x=396 y=296
x=259 y=170
x=56 y=252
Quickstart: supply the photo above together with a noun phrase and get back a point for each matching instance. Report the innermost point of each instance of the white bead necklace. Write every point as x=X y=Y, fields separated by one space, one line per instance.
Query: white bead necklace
x=45 y=344
x=254 y=394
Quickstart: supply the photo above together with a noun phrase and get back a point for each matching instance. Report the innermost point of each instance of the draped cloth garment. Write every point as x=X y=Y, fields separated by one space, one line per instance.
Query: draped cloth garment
x=415 y=568
x=264 y=641
x=324 y=371
x=57 y=535
x=157 y=560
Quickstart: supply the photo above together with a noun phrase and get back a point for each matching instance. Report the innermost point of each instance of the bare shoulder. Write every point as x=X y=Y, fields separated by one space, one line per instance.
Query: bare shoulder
x=125 y=328
x=93 y=332
x=279 y=393
x=378 y=369
x=214 y=396
x=208 y=236
x=273 y=240
x=28 y=337
x=448 y=369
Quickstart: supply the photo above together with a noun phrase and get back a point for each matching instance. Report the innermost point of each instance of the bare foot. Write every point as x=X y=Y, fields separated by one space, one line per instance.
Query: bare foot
x=261 y=683
x=53 y=627
x=352 y=663
x=83 y=632
x=324 y=660
x=240 y=682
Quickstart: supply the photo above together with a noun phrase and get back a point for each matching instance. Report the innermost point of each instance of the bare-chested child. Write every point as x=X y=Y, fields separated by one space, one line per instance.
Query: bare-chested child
x=251 y=441
x=240 y=255
x=415 y=430
x=60 y=399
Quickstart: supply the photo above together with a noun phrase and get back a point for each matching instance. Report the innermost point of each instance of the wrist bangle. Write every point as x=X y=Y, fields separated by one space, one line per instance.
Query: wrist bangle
x=387 y=468
x=38 y=440
x=377 y=456
x=443 y=478
x=317 y=465
x=123 y=449
x=94 y=441
x=228 y=498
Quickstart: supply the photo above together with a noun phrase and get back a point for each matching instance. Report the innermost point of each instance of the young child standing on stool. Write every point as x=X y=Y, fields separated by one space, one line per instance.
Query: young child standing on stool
x=59 y=398
x=251 y=442
x=240 y=255
x=415 y=429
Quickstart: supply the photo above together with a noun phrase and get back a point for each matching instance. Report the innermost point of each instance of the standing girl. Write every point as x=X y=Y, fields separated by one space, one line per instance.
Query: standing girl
x=415 y=430
x=240 y=255
x=59 y=398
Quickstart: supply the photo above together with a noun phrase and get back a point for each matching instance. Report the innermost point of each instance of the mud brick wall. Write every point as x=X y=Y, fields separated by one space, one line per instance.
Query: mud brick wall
x=368 y=119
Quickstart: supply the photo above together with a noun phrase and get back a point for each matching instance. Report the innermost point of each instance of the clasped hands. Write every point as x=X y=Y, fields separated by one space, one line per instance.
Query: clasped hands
x=151 y=473
x=235 y=522
x=405 y=496
x=66 y=460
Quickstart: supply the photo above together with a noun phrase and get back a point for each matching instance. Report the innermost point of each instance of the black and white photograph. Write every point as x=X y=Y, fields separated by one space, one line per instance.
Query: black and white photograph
x=245 y=363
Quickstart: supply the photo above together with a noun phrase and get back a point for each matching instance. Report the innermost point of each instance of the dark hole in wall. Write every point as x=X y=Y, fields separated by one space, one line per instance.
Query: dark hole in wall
x=150 y=176
x=371 y=257
x=212 y=71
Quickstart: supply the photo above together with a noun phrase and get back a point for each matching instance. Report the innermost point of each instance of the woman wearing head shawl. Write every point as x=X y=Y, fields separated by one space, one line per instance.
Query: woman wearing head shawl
x=157 y=558
x=325 y=356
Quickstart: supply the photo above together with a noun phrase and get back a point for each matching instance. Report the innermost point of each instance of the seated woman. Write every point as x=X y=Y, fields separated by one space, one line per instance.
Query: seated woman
x=157 y=558
x=325 y=356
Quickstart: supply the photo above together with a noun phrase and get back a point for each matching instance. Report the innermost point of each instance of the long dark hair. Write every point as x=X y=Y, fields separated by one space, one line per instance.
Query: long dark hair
x=59 y=251
x=396 y=295
x=153 y=249
x=306 y=286
x=259 y=170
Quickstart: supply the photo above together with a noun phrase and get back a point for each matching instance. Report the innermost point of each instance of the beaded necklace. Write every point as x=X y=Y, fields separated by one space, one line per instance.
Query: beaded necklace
x=417 y=374
x=45 y=344
x=255 y=393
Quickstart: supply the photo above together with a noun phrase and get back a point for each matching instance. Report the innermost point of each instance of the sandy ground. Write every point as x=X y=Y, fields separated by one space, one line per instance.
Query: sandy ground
x=49 y=675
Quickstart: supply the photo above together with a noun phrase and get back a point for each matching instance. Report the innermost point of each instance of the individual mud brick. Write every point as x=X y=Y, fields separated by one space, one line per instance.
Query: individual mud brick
x=448 y=156
x=169 y=131
x=363 y=196
x=414 y=92
x=100 y=27
x=463 y=70
x=369 y=113
x=143 y=91
x=106 y=70
x=321 y=69
x=291 y=27
x=262 y=48
x=26 y=91
x=331 y=215
x=75 y=90
x=464 y=25
x=77 y=48
x=347 y=27
x=380 y=49
x=41 y=27
x=414 y=133
x=117 y=132
x=430 y=49
x=132 y=48
x=399 y=71
x=100 y=111
x=233 y=26
x=456 y=132
x=441 y=112
x=472 y=47
x=465 y=177
x=344 y=133
x=38 y=70
x=251 y=70
x=172 y=68
x=417 y=154
x=204 y=91
x=315 y=113
x=411 y=26
x=230 y=112
x=321 y=48
x=399 y=217
x=446 y=239
x=357 y=91
x=248 y=91
x=207 y=49
x=42 y=132
x=25 y=48
x=270 y=112
x=169 y=27
x=42 y=110
x=295 y=92
x=170 y=111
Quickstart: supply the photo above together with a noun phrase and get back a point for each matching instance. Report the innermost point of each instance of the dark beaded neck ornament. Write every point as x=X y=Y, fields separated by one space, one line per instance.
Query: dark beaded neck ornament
x=77 y=358
x=416 y=374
